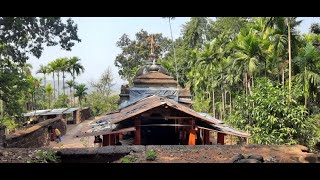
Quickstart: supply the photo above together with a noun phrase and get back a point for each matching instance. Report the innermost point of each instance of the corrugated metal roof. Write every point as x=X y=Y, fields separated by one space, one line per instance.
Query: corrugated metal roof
x=151 y=102
x=54 y=112
x=212 y=118
x=70 y=110
x=46 y=112
x=36 y=113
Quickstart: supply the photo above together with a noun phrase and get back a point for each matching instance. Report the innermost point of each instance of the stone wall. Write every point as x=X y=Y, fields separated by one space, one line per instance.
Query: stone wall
x=35 y=136
x=85 y=114
x=82 y=114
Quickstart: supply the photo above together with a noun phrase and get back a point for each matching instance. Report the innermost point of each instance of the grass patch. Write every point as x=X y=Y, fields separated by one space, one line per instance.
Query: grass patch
x=151 y=155
x=42 y=156
x=128 y=159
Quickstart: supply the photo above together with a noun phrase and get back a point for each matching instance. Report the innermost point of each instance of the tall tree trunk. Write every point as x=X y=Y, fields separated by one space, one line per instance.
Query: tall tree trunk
x=45 y=83
x=54 y=86
x=225 y=101
x=174 y=53
x=249 y=86
x=282 y=74
x=63 y=86
x=70 y=97
x=289 y=51
x=73 y=78
x=230 y=101
x=246 y=82
x=213 y=104
x=222 y=102
x=252 y=81
x=58 y=74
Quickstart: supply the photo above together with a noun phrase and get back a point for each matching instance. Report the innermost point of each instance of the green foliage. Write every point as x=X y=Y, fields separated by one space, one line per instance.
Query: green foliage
x=80 y=91
x=61 y=102
x=21 y=37
x=128 y=159
x=269 y=117
x=151 y=155
x=42 y=156
x=8 y=122
x=101 y=104
x=135 y=52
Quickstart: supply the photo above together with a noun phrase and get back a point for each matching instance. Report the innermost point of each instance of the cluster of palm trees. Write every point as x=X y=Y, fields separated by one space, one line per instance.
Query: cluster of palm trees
x=58 y=67
x=228 y=65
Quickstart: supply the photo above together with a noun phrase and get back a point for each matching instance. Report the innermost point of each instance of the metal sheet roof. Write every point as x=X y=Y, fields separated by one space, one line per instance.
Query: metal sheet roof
x=151 y=102
x=54 y=112
x=70 y=110
x=46 y=112
x=36 y=113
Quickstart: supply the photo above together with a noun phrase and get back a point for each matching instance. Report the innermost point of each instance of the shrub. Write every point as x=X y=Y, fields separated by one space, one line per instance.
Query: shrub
x=151 y=155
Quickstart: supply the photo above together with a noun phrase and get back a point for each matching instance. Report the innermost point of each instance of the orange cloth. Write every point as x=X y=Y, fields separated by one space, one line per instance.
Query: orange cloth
x=192 y=137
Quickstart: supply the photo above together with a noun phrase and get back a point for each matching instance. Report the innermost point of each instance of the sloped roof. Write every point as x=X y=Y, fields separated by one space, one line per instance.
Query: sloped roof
x=154 y=78
x=154 y=101
x=46 y=112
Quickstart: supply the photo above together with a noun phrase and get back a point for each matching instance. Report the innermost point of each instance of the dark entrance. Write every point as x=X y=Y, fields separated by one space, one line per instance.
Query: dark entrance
x=157 y=132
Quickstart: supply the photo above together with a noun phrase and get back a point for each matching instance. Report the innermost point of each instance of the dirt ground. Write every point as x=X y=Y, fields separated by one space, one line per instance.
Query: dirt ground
x=225 y=154
x=187 y=154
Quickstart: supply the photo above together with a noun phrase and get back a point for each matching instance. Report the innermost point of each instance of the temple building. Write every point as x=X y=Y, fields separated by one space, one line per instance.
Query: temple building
x=157 y=111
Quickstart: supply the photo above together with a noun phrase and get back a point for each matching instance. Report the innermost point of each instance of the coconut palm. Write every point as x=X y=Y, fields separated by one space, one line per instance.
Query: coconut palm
x=60 y=67
x=49 y=91
x=52 y=66
x=81 y=91
x=247 y=56
x=75 y=68
x=71 y=84
x=43 y=70
x=307 y=63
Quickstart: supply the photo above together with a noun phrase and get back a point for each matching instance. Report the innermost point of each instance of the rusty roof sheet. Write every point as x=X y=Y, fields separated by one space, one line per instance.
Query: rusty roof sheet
x=153 y=101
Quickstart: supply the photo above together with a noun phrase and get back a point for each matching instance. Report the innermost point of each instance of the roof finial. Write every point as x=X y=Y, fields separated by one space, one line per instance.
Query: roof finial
x=151 y=43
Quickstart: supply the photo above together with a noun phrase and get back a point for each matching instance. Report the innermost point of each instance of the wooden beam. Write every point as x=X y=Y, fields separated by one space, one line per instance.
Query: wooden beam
x=137 y=135
x=206 y=137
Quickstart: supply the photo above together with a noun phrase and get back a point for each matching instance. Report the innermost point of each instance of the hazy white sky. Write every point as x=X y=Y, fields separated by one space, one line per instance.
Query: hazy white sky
x=97 y=49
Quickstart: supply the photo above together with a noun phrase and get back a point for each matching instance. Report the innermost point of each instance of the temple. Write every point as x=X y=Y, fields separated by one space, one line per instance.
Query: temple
x=157 y=111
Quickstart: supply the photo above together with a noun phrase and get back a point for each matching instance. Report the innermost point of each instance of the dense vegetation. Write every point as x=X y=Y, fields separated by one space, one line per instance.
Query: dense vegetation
x=20 y=92
x=259 y=74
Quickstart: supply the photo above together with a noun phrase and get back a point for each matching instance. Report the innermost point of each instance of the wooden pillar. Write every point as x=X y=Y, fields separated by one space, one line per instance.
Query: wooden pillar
x=106 y=140
x=137 y=135
x=112 y=139
x=220 y=139
x=247 y=140
x=206 y=137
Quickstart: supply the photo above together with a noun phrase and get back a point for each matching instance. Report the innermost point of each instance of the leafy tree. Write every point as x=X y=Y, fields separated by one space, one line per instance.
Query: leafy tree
x=135 y=52
x=105 y=83
x=81 y=91
x=49 y=91
x=101 y=104
x=22 y=35
x=71 y=84
x=75 y=68
x=273 y=119
x=43 y=70
x=61 y=101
